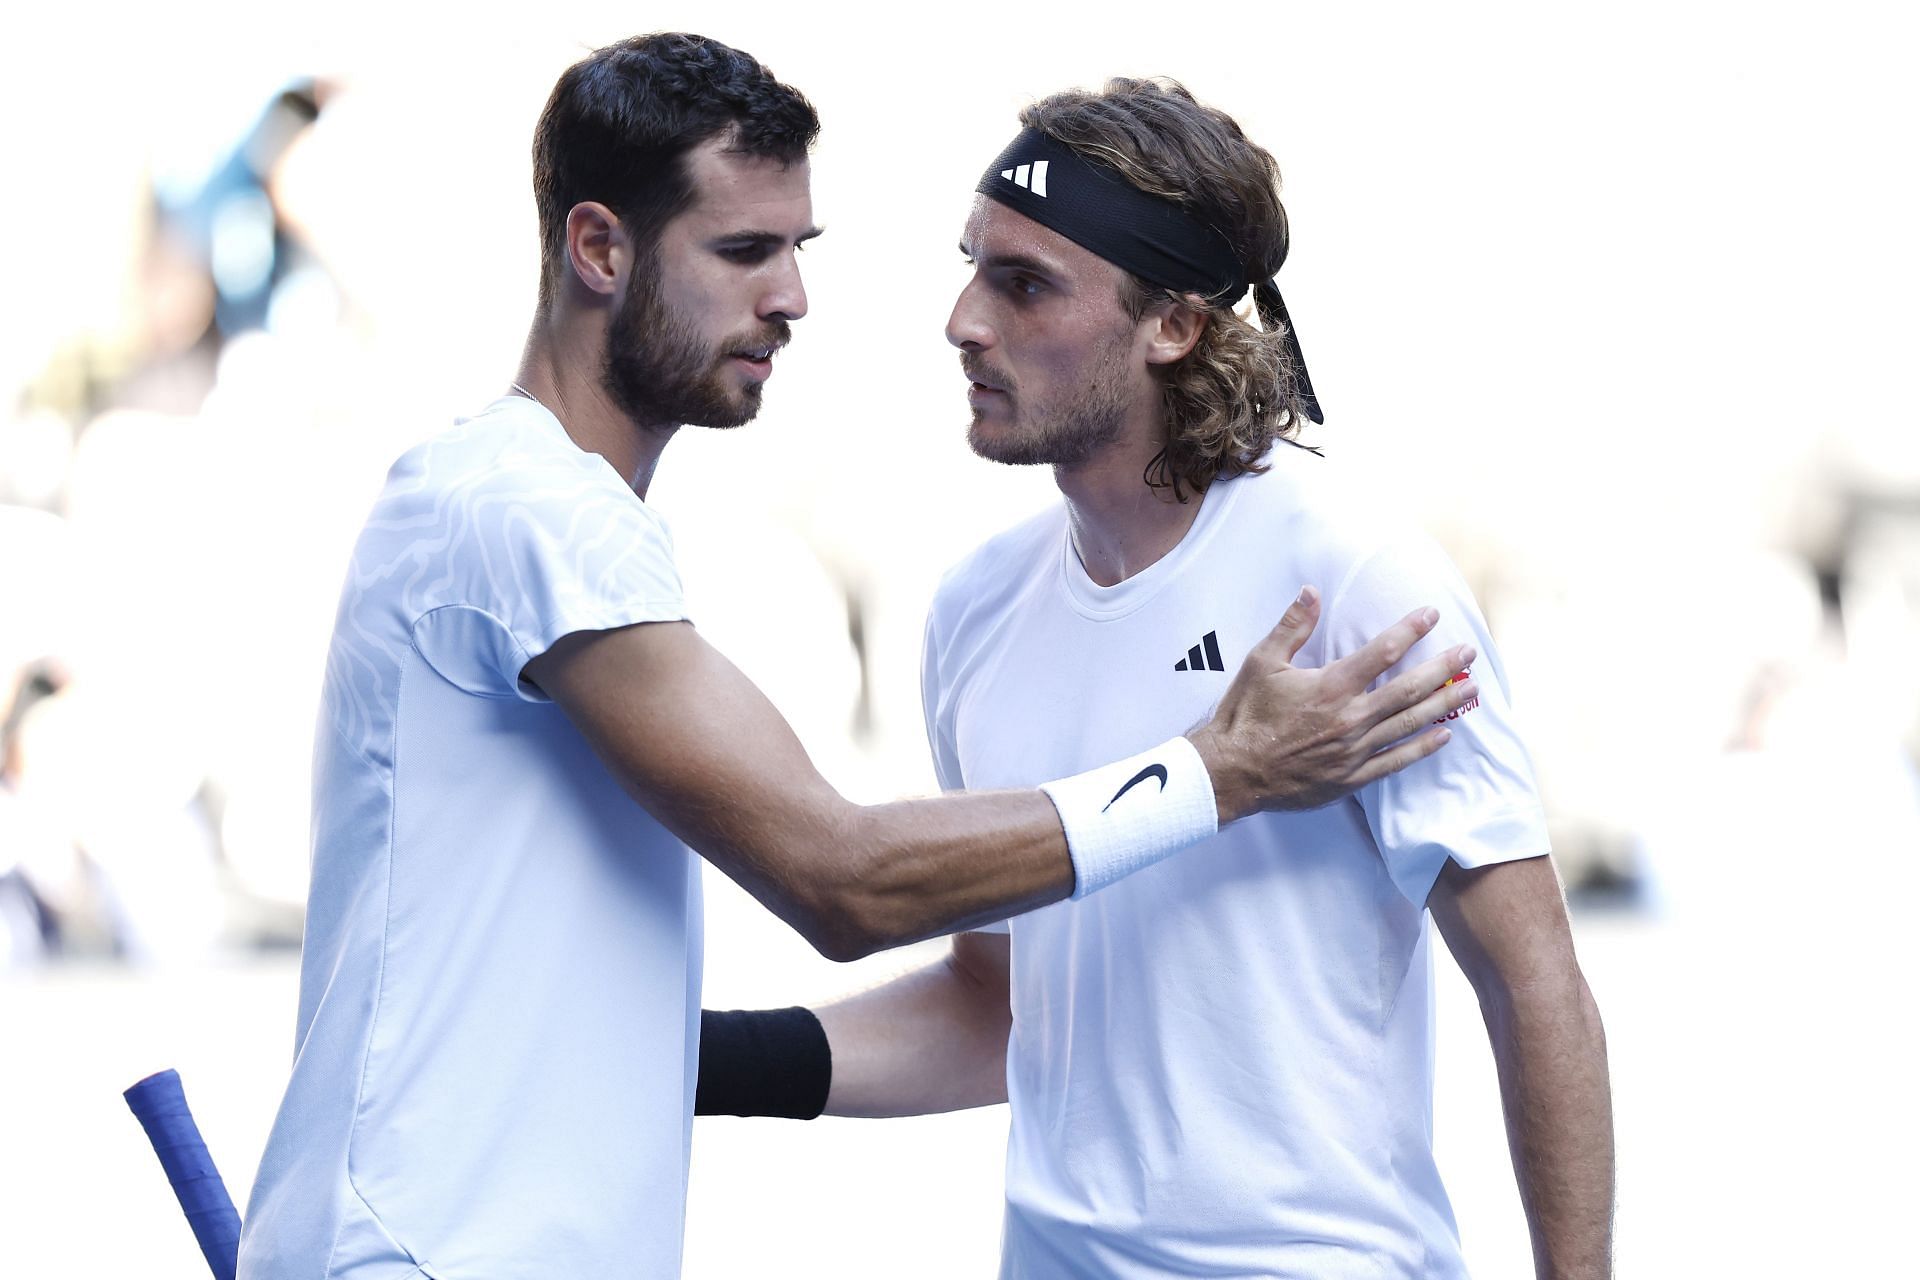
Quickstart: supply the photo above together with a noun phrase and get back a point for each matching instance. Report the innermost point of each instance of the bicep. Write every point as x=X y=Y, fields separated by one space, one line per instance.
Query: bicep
x=1505 y=923
x=708 y=756
x=688 y=735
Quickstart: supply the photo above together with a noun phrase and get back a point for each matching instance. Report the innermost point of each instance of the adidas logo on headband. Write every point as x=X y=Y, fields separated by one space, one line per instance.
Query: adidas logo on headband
x=1019 y=177
x=1160 y=240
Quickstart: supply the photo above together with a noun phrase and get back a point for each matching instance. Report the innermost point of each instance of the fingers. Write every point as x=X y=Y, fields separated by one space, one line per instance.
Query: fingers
x=1435 y=706
x=1295 y=625
x=1363 y=666
x=1396 y=758
x=1411 y=687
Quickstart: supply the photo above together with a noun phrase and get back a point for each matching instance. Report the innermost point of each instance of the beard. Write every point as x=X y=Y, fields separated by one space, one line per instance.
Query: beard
x=1065 y=433
x=659 y=370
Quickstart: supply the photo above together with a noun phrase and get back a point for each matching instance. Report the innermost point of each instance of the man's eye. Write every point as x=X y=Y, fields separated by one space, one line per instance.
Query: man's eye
x=1025 y=286
x=745 y=253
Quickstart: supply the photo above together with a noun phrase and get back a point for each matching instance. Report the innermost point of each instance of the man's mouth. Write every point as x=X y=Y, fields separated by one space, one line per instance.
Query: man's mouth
x=758 y=360
x=978 y=383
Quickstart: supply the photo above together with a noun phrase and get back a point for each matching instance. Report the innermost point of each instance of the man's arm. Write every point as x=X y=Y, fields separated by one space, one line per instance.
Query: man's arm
x=1506 y=924
x=928 y=1041
x=705 y=752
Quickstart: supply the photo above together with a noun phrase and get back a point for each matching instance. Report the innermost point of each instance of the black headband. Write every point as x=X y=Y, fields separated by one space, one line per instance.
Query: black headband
x=1151 y=237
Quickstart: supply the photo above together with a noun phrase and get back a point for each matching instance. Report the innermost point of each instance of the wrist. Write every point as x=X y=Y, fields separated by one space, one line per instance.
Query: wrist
x=1233 y=798
x=763 y=1062
x=1132 y=813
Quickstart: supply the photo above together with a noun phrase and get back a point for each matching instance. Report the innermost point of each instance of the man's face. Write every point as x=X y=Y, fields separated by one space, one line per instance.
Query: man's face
x=707 y=305
x=1055 y=363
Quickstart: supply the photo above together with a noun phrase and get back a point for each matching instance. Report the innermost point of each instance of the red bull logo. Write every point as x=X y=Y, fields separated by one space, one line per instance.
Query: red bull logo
x=1464 y=707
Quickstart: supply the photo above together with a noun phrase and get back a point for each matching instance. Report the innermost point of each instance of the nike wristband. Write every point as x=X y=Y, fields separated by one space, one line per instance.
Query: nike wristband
x=1131 y=814
x=762 y=1062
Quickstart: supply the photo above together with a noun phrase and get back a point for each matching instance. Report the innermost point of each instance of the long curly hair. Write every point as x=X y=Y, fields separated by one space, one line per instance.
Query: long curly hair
x=1234 y=394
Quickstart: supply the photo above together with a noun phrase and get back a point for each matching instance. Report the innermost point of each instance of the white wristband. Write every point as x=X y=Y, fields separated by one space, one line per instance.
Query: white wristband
x=1130 y=814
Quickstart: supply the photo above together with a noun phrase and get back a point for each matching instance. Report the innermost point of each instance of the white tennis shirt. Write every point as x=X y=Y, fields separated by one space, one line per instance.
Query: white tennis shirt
x=1222 y=1066
x=500 y=984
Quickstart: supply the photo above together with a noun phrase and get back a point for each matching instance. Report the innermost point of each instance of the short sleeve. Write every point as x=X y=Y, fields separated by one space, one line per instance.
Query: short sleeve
x=946 y=757
x=1475 y=800
x=543 y=545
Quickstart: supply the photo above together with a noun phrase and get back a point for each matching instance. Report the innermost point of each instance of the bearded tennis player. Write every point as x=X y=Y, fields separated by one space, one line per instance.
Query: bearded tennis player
x=524 y=742
x=1223 y=1065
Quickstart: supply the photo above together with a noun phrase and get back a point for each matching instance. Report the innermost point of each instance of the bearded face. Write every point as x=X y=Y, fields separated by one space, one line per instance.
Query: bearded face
x=710 y=298
x=660 y=367
x=1062 y=419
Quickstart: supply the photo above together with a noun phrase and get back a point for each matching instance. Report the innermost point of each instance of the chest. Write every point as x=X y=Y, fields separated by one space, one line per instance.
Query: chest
x=1057 y=691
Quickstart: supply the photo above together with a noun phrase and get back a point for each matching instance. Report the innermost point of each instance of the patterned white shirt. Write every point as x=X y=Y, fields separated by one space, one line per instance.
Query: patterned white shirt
x=500 y=985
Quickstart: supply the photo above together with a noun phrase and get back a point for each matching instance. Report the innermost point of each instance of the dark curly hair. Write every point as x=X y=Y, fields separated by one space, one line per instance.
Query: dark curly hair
x=620 y=122
x=1234 y=394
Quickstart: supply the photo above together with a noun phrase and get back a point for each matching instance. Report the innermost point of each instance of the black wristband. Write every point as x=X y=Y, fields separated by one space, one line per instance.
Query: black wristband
x=763 y=1062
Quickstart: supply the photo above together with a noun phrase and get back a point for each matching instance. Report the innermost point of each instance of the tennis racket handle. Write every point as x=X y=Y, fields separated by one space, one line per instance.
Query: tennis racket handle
x=161 y=1108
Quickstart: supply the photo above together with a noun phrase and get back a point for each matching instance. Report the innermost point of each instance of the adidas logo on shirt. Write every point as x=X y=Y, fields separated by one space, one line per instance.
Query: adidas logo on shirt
x=1204 y=656
x=1034 y=181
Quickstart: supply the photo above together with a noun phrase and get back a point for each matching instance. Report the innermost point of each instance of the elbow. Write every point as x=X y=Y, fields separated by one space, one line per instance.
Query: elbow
x=843 y=937
x=850 y=924
x=853 y=901
x=844 y=946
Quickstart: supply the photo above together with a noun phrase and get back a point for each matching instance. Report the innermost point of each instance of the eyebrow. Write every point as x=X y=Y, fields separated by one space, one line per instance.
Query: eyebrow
x=1014 y=262
x=766 y=237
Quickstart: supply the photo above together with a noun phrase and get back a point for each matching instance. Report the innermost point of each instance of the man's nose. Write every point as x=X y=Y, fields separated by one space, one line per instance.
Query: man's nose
x=966 y=325
x=786 y=299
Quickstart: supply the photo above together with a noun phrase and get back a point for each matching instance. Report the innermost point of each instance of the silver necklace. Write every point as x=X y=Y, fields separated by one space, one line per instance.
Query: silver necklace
x=529 y=395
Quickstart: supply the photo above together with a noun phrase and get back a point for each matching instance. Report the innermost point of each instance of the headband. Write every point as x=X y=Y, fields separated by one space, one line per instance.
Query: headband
x=1155 y=239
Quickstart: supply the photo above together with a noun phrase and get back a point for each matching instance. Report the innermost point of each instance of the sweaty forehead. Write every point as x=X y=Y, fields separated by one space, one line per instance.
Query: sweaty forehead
x=995 y=231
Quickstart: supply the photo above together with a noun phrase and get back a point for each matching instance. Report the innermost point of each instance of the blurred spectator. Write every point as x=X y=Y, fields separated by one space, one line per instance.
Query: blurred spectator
x=230 y=218
x=31 y=845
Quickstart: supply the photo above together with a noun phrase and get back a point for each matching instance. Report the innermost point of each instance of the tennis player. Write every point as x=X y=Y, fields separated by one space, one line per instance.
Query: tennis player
x=1223 y=1065
x=522 y=734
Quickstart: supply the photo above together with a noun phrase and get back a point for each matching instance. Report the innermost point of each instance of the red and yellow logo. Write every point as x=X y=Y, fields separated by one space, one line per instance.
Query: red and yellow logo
x=1464 y=707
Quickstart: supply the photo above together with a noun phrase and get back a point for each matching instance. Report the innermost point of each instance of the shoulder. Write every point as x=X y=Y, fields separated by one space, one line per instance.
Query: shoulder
x=1322 y=511
x=502 y=511
x=513 y=452
x=1341 y=532
x=998 y=572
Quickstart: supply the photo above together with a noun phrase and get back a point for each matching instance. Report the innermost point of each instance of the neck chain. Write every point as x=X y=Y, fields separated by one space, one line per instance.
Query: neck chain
x=529 y=395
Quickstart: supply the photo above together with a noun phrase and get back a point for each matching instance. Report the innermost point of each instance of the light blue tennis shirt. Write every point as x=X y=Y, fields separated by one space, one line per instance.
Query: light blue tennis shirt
x=500 y=986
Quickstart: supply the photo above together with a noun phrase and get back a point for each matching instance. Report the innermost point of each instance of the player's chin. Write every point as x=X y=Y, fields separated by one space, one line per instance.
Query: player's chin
x=724 y=407
x=993 y=437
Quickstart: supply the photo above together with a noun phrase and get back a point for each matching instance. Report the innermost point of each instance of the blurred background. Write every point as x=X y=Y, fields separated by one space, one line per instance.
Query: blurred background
x=1616 y=300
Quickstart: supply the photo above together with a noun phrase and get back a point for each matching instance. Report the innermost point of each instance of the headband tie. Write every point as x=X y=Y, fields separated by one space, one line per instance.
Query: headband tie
x=1155 y=239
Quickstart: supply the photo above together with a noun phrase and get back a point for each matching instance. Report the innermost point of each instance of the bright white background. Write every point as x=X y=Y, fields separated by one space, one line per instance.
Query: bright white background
x=1616 y=298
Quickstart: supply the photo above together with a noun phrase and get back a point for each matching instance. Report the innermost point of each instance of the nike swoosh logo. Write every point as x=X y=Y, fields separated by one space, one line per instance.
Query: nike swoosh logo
x=1151 y=771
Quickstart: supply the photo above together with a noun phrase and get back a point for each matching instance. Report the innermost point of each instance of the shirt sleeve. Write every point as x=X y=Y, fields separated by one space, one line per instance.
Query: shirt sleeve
x=946 y=758
x=537 y=551
x=940 y=740
x=1475 y=800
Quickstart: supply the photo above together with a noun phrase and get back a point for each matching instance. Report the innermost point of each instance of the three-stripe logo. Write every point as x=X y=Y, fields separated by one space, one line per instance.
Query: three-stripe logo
x=1204 y=656
x=1031 y=176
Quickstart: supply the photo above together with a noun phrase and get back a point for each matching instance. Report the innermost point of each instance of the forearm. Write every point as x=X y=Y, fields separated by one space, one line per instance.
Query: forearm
x=1551 y=1054
x=710 y=758
x=931 y=1040
x=854 y=879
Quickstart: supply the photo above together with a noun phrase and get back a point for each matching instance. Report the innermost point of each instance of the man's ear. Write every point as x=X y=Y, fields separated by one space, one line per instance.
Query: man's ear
x=598 y=249
x=1174 y=329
